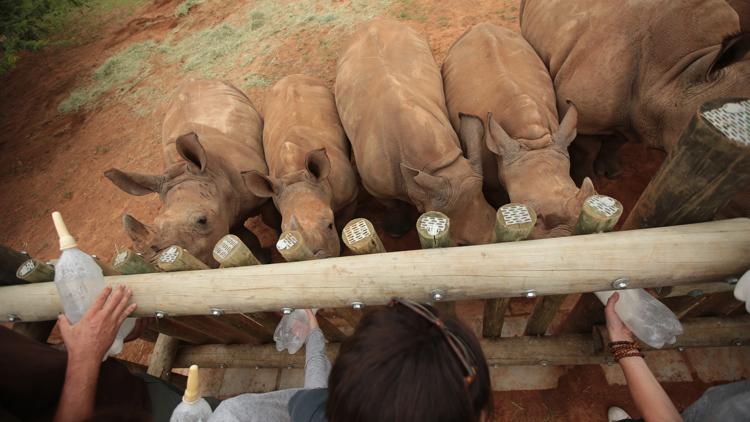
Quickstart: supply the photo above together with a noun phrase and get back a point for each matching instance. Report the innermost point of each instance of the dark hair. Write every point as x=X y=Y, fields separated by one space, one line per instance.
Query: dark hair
x=398 y=366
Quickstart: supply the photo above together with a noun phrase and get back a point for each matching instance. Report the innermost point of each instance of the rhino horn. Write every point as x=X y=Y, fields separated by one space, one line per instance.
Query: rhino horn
x=567 y=130
x=471 y=132
x=499 y=142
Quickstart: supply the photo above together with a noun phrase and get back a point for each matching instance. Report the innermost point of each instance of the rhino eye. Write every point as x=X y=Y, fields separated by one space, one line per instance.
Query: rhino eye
x=330 y=226
x=202 y=220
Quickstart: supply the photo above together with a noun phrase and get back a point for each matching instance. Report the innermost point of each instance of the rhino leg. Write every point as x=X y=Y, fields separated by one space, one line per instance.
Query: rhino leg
x=398 y=217
x=607 y=163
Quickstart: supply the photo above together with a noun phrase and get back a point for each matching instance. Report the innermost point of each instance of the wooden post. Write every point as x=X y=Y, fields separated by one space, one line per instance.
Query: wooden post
x=107 y=269
x=163 y=356
x=707 y=167
x=360 y=237
x=129 y=262
x=433 y=229
x=292 y=247
x=513 y=222
x=34 y=271
x=176 y=258
x=599 y=214
x=10 y=260
x=230 y=251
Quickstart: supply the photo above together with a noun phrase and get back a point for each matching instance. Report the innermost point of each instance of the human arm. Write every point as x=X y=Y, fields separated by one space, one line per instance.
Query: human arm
x=86 y=342
x=317 y=365
x=649 y=396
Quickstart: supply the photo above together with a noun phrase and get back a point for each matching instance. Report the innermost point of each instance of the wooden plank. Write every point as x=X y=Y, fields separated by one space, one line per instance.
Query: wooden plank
x=173 y=328
x=700 y=332
x=570 y=349
x=649 y=258
x=544 y=311
x=163 y=356
x=704 y=171
x=330 y=330
x=494 y=316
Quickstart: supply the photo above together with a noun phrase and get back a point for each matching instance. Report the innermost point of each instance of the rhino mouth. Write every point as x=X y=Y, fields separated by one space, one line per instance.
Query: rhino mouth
x=321 y=254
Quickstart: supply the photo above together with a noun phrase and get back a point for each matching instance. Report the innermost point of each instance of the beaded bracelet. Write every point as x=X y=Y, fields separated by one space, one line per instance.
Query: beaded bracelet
x=624 y=349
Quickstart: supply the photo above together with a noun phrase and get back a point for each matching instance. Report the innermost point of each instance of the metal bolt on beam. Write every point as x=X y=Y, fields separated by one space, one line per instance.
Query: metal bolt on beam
x=160 y=314
x=544 y=362
x=13 y=318
x=695 y=293
x=437 y=295
x=530 y=293
x=732 y=280
x=737 y=342
x=358 y=305
x=287 y=311
x=621 y=283
x=217 y=311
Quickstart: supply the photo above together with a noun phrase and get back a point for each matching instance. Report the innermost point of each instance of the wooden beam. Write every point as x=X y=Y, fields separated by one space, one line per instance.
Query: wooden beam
x=570 y=349
x=699 y=332
x=543 y=313
x=707 y=167
x=695 y=290
x=649 y=258
x=163 y=356
x=494 y=316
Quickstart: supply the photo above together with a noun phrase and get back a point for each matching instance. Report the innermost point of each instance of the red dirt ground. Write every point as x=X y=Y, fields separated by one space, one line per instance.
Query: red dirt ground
x=50 y=161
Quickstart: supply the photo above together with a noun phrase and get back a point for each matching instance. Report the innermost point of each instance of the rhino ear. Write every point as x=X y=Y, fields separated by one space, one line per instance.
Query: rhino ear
x=190 y=148
x=733 y=49
x=586 y=190
x=471 y=133
x=135 y=183
x=137 y=231
x=567 y=130
x=499 y=142
x=428 y=192
x=259 y=184
x=317 y=164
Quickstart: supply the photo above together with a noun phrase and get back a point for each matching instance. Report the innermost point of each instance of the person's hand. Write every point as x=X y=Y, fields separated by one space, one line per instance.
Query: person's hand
x=90 y=338
x=140 y=326
x=617 y=330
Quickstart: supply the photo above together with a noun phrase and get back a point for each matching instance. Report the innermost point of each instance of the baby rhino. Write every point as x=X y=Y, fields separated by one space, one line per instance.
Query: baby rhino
x=311 y=178
x=523 y=148
x=389 y=94
x=210 y=136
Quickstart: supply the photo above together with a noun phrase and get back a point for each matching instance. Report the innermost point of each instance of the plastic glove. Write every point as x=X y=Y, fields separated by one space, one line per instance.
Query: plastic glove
x=649 y=319
x=742 y=290
x=292 y=331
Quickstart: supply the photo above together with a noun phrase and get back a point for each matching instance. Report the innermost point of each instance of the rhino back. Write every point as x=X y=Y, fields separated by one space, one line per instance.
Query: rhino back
x=494 y=69
x=301 y=110
x=600 y=53
x=389 y=94
x=226 y=122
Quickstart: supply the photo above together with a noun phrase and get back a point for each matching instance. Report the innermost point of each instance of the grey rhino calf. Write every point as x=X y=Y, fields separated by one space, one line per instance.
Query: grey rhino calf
x=638 y=70
x=211 y=134
x=389 y=95
x=491 y=69
x=311 y=178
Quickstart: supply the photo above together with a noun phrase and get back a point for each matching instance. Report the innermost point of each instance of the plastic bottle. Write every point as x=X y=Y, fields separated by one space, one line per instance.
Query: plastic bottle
x=649 y=320
x=742 y=290
x=79 y=281
x=193 y=407
x=292 y=331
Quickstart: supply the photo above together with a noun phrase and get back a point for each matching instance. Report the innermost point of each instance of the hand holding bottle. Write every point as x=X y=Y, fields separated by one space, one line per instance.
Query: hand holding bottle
x=89 y=339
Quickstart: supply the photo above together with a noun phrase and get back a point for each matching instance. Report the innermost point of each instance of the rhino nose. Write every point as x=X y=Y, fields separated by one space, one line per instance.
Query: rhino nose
x=320 y=254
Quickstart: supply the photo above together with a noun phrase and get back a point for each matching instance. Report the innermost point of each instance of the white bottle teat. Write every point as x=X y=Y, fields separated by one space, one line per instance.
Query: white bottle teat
x=66 y=240
x=192 y=391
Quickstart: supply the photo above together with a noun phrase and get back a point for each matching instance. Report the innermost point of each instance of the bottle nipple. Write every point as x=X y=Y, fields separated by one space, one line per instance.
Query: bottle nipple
x=192 y=392
x=66 y=240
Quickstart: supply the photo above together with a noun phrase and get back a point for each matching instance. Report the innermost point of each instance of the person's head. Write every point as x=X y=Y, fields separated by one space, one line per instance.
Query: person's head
x=400 y=366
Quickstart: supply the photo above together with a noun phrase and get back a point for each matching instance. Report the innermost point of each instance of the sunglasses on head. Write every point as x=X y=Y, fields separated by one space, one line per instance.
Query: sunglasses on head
x=460 y=349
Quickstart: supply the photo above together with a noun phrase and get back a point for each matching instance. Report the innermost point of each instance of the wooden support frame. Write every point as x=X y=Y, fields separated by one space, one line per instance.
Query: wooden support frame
x=570 y=349
x=162 y=358
x=649 y=258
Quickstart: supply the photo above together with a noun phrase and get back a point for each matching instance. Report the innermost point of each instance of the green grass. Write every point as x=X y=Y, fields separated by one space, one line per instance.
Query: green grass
x=409 y=10
x=183 y=8
x=443 y=21
x=119 y=73
x=254 y=80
